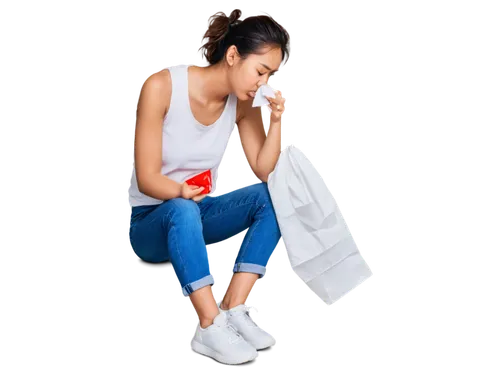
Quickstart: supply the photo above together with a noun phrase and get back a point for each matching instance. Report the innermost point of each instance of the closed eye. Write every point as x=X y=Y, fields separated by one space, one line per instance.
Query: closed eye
x=273 y=73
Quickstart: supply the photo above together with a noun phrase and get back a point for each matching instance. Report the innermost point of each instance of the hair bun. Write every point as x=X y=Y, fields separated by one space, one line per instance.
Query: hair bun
x=233 y=17
x=247 y=35
x=217 y=34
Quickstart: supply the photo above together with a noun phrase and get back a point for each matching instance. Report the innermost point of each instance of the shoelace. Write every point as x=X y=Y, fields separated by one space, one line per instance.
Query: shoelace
x=233 y=328
x=233 y=333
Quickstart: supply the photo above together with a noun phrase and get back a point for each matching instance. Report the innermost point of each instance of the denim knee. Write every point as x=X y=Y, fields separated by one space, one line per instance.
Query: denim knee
x=262 y=191
x=181 y=211
x=148 y=232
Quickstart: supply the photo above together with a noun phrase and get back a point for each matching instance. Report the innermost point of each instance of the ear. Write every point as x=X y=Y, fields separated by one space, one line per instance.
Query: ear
x=232 y=55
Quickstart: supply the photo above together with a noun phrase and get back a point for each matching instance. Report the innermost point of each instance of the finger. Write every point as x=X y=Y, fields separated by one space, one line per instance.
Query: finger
x=198 y=197
x=276 y=101
x=271 y=100
x=194 y=193
x=276 y=106
x=279 y=106
x=277 y=94
x=197 y=191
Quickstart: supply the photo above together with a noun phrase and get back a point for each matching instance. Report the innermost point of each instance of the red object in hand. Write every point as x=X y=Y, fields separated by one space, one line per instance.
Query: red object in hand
x=202 y=179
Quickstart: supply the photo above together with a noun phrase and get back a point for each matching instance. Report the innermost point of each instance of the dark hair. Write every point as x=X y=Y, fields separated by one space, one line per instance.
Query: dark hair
x=249 y=35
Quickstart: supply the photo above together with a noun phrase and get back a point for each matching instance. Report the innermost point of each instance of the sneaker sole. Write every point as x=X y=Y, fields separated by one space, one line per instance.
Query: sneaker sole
x=202 y=349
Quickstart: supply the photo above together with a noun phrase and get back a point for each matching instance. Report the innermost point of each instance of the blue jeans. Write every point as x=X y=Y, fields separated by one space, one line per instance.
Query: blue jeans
x=178 y=229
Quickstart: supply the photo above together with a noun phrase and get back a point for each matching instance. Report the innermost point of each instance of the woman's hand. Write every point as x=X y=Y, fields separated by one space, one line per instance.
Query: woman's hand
x=198 y=198
x=192 y=192
x=277 y=106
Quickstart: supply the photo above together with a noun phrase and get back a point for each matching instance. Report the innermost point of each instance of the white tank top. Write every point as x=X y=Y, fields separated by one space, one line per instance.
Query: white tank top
x=188 y=147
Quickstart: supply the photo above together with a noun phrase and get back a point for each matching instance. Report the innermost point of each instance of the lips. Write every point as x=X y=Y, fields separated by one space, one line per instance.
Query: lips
x=252 y=94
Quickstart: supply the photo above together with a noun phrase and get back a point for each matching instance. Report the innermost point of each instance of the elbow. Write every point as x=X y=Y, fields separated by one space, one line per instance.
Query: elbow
x=258 y=176
x=142 y=185
x=262 y=176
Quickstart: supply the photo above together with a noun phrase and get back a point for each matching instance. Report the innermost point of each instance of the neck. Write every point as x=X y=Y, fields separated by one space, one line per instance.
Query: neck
x=212 y=81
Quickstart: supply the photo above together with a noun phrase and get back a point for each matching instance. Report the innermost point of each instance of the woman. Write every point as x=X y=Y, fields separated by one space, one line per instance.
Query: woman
x=185 y=117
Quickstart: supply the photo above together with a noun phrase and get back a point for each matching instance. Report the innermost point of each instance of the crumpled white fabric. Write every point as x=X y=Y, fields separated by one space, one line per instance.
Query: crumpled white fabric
x=260 y=95
x=320 y=247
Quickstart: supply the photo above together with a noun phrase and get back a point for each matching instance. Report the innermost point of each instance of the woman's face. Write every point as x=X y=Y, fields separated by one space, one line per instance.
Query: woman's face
x=246 y=75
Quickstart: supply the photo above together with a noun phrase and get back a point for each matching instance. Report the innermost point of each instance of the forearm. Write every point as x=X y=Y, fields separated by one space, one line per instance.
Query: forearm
x=270 y=152
x=161 y=187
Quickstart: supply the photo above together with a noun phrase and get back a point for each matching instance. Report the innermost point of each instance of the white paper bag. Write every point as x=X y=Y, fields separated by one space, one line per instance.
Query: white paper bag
x=320 y=247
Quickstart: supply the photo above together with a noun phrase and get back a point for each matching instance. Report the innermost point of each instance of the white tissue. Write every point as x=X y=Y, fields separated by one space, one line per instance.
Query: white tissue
x=260 y=95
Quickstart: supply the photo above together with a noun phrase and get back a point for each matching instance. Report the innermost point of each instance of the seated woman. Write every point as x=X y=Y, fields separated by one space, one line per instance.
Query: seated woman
x=185 y=117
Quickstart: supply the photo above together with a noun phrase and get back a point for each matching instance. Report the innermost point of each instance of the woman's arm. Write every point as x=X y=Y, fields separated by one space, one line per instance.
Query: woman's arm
x=261 y=152
x=151 y=110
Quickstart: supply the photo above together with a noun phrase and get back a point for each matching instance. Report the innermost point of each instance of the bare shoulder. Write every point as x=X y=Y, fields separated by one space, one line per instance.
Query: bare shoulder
x=157 y=89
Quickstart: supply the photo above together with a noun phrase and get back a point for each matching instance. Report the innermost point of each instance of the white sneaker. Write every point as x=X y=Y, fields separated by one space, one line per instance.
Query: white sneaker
x=222 y=342
x=240 y=318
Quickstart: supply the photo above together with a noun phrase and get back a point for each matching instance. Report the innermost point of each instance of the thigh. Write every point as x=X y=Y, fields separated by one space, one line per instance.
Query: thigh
x=149 y=229
x=229 y=214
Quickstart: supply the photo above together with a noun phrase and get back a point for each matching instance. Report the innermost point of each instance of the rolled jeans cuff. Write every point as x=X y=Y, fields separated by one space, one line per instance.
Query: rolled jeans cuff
x=195 y=285
x=250 y=267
